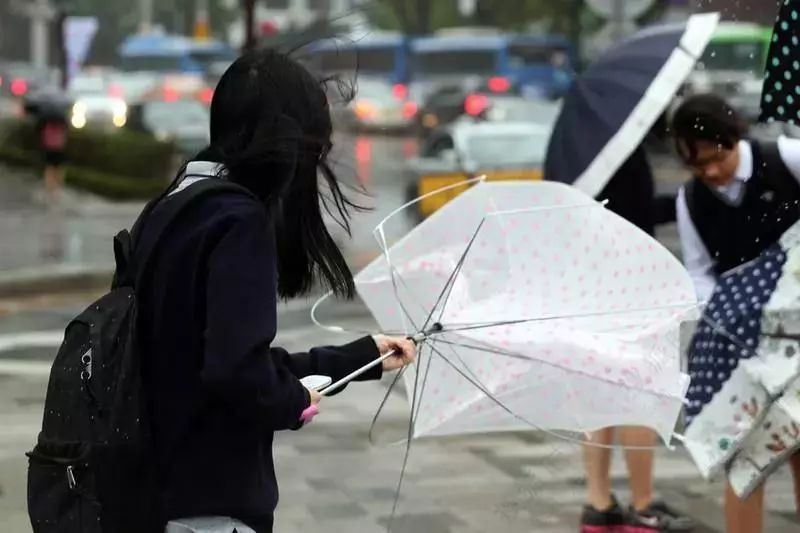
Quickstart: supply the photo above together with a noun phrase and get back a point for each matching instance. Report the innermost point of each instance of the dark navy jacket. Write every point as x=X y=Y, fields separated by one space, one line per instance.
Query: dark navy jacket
x=218 y=389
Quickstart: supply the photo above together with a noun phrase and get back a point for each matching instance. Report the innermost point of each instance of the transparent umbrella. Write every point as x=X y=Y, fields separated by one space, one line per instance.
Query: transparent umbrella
x=534 y=306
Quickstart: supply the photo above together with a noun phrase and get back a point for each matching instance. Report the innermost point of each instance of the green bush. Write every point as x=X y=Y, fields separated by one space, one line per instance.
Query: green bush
x=111 y=186
x=119 y=164
x=121 y=152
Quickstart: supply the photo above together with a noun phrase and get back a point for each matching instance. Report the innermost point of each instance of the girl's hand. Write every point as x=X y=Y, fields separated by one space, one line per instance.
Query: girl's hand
x=314 y=396
x=405 y=351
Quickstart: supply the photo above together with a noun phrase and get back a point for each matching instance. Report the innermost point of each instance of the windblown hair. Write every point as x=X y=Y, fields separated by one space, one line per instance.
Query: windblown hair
x=271 y=129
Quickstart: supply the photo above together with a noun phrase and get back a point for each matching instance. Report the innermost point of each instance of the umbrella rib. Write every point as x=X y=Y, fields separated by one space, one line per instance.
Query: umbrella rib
x=483 y=389
x=392 y=275
x=411 y=422
x=383 y=404
x=416 y=300
x=447 y=289
x=519 y=356
x=424 y=383
x=468 y=326
x=534 y=426
x=722 y=331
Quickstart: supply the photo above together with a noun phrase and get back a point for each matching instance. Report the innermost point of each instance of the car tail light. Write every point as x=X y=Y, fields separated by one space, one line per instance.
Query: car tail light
x=364 y=109
x=475 y=104
x=207 y=95
x=499 y=84
x=400 y=91
x=116 y=91
x=19 y=87
x=409 y=110
x=170 y=95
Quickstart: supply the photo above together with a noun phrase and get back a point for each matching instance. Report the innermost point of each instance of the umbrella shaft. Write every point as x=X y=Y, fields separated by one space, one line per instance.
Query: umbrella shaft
x=350 y=377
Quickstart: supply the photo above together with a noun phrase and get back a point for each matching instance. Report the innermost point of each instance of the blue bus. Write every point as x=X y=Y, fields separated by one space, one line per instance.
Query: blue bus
x=541 y=64
x=383 y=56
x=172 y=53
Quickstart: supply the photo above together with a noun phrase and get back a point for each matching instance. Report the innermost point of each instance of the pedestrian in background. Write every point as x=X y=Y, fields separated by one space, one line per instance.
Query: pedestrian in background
x=631 y=194
x=50 y=115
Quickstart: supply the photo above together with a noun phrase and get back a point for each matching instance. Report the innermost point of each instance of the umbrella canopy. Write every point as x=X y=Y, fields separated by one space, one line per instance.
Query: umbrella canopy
x=744 y=361
x=780 y=98
x=534 y=306
x=49 y=103
x=612 y=106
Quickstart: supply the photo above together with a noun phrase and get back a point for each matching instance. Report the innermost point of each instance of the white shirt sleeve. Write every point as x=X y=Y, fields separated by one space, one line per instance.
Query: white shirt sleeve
x=696 y=257
x=789 y=149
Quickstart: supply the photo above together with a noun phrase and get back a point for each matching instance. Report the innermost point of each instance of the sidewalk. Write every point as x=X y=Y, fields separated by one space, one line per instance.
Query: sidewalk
x=71 y=249
x=332 y=479
x=44 y=249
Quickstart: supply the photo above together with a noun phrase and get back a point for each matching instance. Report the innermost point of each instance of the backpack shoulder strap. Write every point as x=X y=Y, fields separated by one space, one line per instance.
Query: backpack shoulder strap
x=132 y=256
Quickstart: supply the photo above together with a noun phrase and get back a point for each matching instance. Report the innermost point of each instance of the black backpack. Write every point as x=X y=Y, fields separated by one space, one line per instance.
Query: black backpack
x=93 y=468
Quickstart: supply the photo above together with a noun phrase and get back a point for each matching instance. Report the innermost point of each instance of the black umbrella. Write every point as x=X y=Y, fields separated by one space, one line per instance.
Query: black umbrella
x=48 y=104
x=612 y=106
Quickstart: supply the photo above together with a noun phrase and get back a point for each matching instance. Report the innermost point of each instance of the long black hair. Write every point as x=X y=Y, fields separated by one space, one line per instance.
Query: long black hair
x=271 y=129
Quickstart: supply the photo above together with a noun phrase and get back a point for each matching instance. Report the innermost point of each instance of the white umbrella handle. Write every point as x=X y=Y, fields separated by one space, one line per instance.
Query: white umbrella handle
x=312 y=410
x=353 y=375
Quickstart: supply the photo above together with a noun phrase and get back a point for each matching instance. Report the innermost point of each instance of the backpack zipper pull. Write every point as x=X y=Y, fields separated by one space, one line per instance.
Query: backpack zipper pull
x=71 y=478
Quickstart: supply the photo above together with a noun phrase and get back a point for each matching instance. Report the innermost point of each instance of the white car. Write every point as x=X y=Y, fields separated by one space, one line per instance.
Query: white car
x=380 y=105
x=500 y=150
x=95 y=104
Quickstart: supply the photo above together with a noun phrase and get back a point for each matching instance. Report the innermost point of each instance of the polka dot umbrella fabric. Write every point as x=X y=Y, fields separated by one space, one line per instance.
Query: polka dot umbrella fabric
x=538 y=308
x=780 y=99
x=744 y=364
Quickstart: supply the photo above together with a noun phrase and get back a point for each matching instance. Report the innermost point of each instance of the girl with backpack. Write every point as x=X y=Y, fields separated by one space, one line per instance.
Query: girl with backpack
x=218 y=388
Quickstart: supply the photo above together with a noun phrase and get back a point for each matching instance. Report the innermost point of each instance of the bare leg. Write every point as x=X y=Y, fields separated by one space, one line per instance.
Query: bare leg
x=640 y=463
x=53 y=182
x=794 y=462
x=597 y=462
x=744 y=516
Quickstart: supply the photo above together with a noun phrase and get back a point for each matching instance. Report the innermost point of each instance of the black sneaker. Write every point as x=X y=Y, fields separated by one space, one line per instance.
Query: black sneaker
x=657 y=517
x=612 y=520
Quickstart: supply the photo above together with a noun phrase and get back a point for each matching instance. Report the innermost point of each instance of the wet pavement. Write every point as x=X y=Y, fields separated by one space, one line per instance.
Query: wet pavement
x=331 y=477
x=79 y=234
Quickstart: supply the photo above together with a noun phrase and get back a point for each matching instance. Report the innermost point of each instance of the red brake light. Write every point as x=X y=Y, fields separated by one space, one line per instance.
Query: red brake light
x=19 y=87
x=400 y=91
x=206 y=95
x=475 y=104
x=409 y=110
x=116 y=91
x=171 y=95
x=498 y=84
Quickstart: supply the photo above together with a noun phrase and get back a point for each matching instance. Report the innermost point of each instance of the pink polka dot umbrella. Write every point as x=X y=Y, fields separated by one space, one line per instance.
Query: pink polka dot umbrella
x=534 y=306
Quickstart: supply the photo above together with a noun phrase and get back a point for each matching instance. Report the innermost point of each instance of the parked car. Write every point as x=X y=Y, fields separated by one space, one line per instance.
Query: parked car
x=18 y=79
x=378 y=105
x=498 y=150
x=472 y=98
x=95 y=104
x=184 y=122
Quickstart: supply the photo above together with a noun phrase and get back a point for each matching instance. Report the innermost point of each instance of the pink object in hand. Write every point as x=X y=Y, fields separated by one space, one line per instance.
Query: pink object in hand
x=309 y=413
